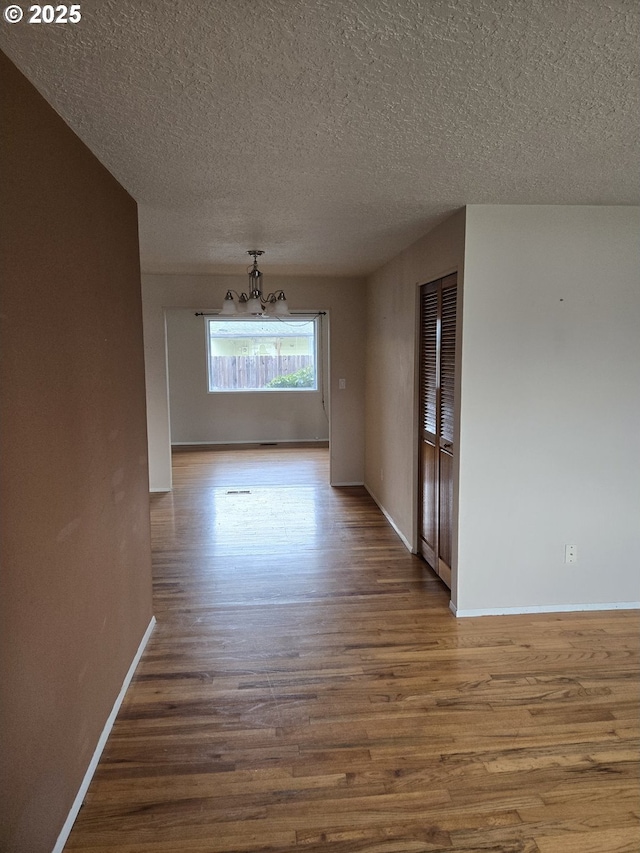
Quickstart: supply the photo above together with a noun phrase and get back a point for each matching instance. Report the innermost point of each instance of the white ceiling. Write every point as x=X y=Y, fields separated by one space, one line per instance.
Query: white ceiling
x=333 y=133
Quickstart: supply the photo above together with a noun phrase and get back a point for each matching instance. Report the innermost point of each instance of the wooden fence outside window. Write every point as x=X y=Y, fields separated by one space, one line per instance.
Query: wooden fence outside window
x=246 y=372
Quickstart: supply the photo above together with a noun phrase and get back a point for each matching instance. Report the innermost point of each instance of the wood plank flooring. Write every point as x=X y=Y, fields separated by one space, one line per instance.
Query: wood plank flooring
x=306 y=688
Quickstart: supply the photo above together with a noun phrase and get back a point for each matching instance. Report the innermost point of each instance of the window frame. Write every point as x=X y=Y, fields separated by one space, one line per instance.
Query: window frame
x=317 y=332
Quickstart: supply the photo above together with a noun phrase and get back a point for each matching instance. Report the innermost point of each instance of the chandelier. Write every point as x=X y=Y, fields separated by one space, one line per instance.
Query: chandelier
x=254 y=302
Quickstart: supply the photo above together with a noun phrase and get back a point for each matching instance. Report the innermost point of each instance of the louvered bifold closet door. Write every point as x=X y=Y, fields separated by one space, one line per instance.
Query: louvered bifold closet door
x=428 y=421
x=446 y=418
x=437 y=421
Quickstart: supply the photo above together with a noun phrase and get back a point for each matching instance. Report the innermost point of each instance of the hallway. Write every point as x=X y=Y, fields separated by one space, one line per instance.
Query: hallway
x=307 y=688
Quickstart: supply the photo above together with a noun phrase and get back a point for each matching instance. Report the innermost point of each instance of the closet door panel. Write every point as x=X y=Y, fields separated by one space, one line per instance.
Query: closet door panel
x=428 y=496
x=446 y=414
x=445 y=519
x=437 y=422
x=428 y=362
x=429 y=503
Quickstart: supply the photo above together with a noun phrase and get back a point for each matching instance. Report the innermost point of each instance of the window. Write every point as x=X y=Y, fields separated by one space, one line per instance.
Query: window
x=261 y=354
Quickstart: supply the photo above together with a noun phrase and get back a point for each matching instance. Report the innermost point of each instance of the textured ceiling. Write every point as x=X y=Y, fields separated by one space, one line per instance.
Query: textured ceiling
x=333 y=133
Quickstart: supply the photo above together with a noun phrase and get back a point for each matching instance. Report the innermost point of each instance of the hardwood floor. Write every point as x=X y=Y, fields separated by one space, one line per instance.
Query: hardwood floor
x=307 y=688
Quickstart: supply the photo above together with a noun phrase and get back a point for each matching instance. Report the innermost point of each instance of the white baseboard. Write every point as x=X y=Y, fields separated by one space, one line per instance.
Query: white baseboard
x=91 y=769
x=342 y=485
x=161 y=491
x=544 y=608
x=403 y=538
x=279 y=442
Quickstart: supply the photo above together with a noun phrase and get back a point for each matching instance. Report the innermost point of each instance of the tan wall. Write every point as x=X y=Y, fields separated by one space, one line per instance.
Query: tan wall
x=75 y=597
x=391 y=373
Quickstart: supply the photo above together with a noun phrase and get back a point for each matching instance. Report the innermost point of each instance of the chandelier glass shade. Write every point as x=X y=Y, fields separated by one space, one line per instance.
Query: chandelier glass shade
x=254 y=303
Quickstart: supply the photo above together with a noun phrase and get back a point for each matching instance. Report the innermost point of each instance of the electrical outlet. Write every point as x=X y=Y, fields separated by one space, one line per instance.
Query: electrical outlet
x=571 y=553
x=342 y=384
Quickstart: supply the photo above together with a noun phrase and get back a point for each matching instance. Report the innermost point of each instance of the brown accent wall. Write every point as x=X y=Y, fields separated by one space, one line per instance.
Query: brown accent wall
x=75 y=571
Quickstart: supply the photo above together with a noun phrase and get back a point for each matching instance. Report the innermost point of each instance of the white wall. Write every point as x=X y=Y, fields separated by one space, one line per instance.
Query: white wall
x=197 y=416
x=550 y=408
x=391 y=468
x=342 y=298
